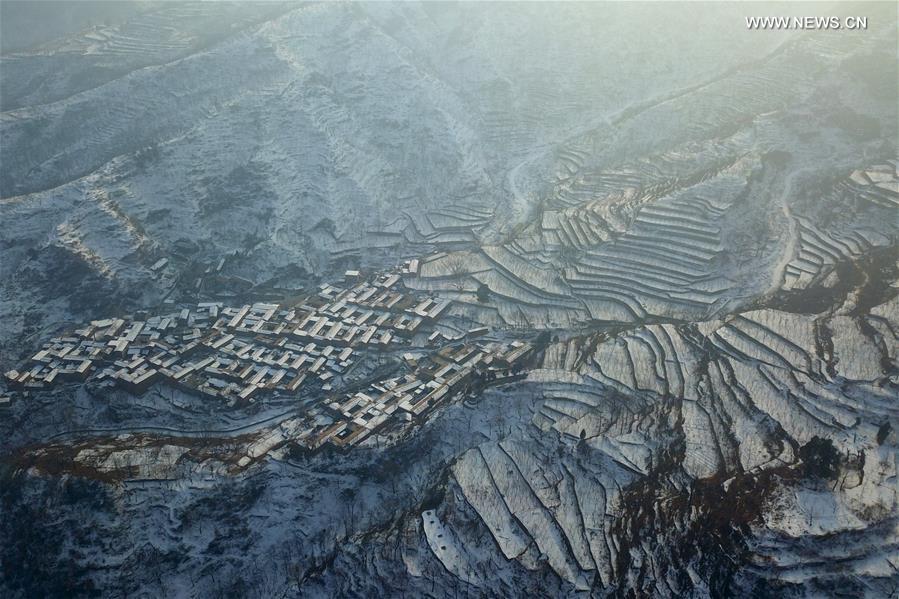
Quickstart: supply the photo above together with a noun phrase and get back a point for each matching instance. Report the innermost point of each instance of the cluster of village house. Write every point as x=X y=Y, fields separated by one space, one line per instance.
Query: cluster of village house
x=439 y=377
x=235 y=353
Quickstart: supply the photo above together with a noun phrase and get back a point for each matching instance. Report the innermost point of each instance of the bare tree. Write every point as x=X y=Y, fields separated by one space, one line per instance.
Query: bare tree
x=457 y=269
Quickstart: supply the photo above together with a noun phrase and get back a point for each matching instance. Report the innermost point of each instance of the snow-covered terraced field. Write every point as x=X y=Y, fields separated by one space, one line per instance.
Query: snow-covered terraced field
x=697 y=234
x=745 y=393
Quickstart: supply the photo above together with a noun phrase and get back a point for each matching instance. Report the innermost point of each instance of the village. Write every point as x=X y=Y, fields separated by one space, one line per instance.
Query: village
x=306 y=348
